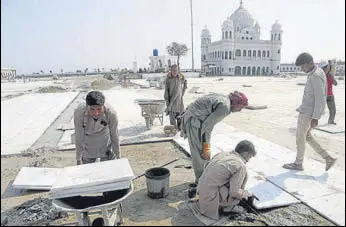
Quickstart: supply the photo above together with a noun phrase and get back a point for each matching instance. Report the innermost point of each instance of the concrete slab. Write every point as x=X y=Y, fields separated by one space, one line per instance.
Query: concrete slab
x=25 y=118
x=36 y=178
x=92 y=176
x=256 y=107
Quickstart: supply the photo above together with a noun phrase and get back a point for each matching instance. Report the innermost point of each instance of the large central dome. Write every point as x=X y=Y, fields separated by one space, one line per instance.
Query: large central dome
x=241 y=17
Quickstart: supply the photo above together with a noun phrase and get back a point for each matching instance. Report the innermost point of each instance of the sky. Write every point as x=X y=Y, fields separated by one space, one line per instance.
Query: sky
x=77 y=34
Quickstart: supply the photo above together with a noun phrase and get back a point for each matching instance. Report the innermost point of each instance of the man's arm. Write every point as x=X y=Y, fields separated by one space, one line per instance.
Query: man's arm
x=79 y=133
x=166 y=95
x=334 y=80
x=320 y=97
x=220 y=113
x=235 y=184
x=113 y=128
x=184 y=86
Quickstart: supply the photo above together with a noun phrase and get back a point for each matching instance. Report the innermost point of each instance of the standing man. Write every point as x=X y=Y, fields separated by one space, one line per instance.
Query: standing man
x=222 y=183
x=96 y=130
x=199 y=120
x=330 y=96
x=310 y=111
x=175 y=87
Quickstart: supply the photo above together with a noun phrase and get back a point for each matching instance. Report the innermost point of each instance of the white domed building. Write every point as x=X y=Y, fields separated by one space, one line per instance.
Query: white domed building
x=240 y=51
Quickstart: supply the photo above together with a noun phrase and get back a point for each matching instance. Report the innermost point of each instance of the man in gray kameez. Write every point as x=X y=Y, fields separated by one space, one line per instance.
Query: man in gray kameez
x=96 y=130
x=199 y=120
x=175 y=87
x=222 y=183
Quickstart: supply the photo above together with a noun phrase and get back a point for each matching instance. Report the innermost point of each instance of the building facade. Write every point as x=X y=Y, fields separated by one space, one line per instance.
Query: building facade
x=241 y=51
x=8 y=73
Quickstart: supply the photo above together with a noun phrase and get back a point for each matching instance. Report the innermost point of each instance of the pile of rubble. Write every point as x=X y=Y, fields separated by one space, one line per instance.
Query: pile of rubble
x=51 y=89
x=34 y=212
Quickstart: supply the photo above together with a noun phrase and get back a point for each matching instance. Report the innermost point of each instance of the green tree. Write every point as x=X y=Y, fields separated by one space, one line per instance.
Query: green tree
x=177 y=49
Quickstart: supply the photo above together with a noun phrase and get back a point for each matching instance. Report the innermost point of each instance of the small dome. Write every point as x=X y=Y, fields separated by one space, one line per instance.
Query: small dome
x=205 y=32
x=242 y=17
x=276 y=26
x=227 y=24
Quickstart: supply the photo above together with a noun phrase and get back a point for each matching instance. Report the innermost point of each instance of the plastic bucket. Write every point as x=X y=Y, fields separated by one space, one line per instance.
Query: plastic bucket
x=157 y=182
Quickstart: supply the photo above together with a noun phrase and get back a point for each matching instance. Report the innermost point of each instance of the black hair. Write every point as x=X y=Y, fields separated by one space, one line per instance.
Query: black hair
x=245 y=146
x=95 y=98
x=304 y=58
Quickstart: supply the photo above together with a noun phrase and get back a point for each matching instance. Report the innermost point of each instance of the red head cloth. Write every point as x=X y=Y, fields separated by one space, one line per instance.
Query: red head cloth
x=240 y=97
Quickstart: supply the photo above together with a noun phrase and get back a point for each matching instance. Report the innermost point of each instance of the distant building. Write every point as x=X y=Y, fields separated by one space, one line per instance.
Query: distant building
x=161 y=63
x=289 y=68
x=8 y=73
x=240 y=51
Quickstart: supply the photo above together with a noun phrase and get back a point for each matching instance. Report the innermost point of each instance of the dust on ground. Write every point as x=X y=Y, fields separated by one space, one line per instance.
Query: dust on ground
x=52 y=89
x=139 y=209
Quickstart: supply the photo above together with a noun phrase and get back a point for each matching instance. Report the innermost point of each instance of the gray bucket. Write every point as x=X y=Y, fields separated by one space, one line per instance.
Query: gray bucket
x=157 y=182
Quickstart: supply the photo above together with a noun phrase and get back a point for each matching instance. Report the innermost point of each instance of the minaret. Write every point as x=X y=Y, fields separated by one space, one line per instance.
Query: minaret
x=276 y=41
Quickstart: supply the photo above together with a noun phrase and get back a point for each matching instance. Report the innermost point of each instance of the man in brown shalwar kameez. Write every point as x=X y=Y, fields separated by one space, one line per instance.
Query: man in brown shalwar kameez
x=96 y=130
x=222 y=183
x=175 y=87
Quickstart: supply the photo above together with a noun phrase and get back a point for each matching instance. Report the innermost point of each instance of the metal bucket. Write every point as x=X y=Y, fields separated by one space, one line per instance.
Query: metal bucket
x=157 y=182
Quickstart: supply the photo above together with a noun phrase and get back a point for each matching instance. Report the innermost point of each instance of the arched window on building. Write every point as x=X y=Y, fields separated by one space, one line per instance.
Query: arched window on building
x=237 y=70
x=230 y=34
x=226 y=35
x=263 y=53
x=259 y=53
x=222 y=55
x=244 y=53
x=242 y=37
x=249 y=53
x=267 y=53
x=226 y=54
x=247 y=38
x=272 y=37
x=263 y=70
x=279 y=36
x=254 y=53
x=248 y=71
x=278 y=51
x=223 y=35
x=243 y=71
x=253 y=70
x=258 y=70
x=267 y=70
x=237 y=53
x=230 y=55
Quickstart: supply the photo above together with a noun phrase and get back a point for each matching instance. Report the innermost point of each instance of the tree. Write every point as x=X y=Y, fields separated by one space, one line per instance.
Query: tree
x=41 y=72
x=85 y=71
x=176 y=49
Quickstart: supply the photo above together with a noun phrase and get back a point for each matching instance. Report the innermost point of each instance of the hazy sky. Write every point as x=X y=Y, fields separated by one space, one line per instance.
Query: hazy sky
x=75 y=34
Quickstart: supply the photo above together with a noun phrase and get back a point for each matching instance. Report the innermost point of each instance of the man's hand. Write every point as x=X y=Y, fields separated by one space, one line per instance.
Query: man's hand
x=314 y=123
x=206 y=151
x=79 y=162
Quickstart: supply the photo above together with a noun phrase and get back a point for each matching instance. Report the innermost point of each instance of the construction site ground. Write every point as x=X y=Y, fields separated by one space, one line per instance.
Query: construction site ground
x=139 y=209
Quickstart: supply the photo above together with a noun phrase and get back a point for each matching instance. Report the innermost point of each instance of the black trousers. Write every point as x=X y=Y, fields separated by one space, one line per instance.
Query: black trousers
x=331 y=107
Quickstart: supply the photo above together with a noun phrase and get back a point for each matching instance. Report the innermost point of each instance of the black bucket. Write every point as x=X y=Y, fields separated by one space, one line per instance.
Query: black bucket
x=157 y=182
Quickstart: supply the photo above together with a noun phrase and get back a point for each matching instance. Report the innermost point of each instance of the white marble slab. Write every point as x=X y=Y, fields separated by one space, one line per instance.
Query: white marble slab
x=94 y=174
x=25 y=118
x=333 y=129
x=307 y=185
x=269 y=195
x=36 y=178
x=332 y=206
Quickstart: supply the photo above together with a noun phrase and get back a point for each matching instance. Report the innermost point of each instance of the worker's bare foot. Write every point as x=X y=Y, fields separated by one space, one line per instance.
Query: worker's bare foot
x=293 y=166
x=330 y=161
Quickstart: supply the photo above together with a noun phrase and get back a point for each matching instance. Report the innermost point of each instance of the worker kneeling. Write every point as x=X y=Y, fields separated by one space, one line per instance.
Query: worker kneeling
x=222 y=183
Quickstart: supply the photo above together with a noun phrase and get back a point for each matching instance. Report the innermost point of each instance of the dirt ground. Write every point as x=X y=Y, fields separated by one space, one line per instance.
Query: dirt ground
x=139 y=209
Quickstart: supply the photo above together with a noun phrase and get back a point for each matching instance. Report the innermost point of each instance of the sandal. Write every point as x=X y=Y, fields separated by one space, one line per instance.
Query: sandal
x=293 y=166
